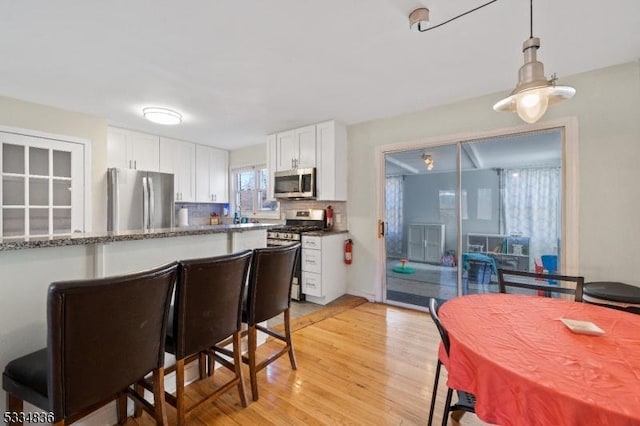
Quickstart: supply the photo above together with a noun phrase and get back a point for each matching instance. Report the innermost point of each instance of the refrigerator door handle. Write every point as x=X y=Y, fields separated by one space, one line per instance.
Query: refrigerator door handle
x=152 y=204
x=145 y=204
x=115 y=201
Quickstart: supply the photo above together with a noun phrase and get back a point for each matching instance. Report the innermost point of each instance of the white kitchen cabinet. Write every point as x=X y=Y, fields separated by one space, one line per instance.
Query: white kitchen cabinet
x=127 y=149
x=179 y=157
x=331 y=161
x=323 y=146
x=296 y=149
x=324 y=274
x=212 y=175
x=271 y=164
x=425 y=242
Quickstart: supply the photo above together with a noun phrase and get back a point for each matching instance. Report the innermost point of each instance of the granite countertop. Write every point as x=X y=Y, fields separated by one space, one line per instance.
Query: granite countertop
x=7 y=244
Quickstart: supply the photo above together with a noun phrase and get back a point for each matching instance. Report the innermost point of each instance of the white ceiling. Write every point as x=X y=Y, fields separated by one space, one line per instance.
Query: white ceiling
x=239 y=70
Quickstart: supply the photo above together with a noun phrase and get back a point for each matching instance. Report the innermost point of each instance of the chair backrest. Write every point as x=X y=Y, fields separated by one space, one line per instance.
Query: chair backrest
x=433 y=311
x=105 y=334
x=269 y=291
x=208 y=302
x=541 y=284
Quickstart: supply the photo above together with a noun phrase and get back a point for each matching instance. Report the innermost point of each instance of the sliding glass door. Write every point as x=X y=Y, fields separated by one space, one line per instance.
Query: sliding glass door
x=456 y=213
x=514 y=186
x=421 y=200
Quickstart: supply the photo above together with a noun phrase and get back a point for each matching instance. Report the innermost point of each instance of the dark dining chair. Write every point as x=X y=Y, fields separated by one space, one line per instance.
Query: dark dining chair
x=103 y=336
x=466 y=401
x=269 y=295
x=207 y=311
x=540 y=284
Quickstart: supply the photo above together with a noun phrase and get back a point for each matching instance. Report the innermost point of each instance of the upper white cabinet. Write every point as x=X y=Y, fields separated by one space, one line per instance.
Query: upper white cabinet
x=296 y=149
x=272 y=160
x=127 y=149
x=212 y=174
x=179 y=157
x=331 y=161
x=323 y=146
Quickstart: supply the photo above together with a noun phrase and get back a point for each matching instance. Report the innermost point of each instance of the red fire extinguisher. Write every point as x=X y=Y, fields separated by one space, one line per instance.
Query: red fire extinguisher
x=348 y=249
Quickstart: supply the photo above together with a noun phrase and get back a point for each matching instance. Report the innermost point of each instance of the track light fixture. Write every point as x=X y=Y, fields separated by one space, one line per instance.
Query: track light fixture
x=428 y=161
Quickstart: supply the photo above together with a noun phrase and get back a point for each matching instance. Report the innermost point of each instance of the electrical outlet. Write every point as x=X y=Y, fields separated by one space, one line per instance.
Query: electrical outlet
x=338 y=218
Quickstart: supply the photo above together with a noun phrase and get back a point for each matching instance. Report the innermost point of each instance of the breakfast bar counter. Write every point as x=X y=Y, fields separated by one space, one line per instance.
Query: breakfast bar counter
x=108 y=237
x=27 y=267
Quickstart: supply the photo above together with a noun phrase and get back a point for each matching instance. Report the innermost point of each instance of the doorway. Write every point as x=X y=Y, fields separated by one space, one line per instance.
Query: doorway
x=456 y=212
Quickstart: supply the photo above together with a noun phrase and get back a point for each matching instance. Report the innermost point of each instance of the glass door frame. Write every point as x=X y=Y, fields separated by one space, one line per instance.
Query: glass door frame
x=570 y=187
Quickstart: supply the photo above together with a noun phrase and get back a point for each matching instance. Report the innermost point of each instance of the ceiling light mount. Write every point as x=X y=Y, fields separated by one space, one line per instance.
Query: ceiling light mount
x=533 y=93
x=162 y=115
x=419 y=19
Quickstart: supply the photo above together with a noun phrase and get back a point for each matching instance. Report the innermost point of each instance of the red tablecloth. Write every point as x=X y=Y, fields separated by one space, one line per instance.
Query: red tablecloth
x=525 y=367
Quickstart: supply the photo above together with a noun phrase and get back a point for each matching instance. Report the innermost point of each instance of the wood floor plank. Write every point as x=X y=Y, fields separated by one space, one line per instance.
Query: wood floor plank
x=362 y=364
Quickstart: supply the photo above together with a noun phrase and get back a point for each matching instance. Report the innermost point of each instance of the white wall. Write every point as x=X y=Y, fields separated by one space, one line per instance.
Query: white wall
x=609 y=147
x=255 y=154
x=30 y=116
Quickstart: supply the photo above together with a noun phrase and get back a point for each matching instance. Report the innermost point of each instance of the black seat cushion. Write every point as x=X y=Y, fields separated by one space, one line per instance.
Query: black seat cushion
x=26 y=377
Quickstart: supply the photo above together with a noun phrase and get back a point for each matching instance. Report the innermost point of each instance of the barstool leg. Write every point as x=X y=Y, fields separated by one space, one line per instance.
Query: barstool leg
x=237 y=363
x=121 y=408
x=252 y=340
x=158 y=397
x=180 y=410
x=14 y=405
x=287 y=332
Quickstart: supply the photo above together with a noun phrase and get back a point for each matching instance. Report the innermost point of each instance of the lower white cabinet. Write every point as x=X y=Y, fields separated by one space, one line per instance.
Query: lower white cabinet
x=324 y=274
x=426 y=242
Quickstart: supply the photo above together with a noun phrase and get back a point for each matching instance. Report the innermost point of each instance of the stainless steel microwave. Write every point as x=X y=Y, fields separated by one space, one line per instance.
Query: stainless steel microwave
x=296 y=184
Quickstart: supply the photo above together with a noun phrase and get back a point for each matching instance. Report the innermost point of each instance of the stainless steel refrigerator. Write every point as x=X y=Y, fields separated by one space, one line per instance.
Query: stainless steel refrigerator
x=139 y=200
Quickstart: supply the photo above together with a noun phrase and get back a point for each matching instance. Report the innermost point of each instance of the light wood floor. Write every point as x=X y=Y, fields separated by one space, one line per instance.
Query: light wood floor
x=359 y=364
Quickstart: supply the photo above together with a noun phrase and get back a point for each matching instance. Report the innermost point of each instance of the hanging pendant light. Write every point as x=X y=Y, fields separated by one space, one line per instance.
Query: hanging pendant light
x=533 y=93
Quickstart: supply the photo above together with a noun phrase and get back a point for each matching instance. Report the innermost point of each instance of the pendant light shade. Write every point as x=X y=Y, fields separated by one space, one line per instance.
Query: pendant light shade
x=534 y=93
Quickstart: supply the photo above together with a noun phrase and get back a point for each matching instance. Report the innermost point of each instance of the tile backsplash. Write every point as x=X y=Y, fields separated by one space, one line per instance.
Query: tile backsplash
x=199 y=213
x=339 y=210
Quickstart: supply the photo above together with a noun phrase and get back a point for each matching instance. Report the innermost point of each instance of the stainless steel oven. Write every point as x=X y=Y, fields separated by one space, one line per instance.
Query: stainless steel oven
x=297 y=223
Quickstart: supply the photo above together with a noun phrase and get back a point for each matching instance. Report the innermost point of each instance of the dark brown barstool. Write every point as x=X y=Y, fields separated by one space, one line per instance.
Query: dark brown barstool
x=207 y=310
x=104 y=335
x=269 y=294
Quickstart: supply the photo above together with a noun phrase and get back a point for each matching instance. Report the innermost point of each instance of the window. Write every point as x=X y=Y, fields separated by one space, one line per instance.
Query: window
x=250 y=193
x=41 y=187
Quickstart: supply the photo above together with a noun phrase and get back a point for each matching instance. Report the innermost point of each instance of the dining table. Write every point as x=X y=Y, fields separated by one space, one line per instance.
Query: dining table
x=526 y=367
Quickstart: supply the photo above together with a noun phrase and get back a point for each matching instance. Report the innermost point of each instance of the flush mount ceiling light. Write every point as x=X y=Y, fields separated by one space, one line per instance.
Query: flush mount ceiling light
x=162 y=115
x=533 y=93
x=428 y=161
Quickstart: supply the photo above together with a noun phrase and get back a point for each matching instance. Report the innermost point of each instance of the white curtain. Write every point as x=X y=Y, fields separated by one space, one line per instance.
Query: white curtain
x=393 y=207
x=532 y=208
